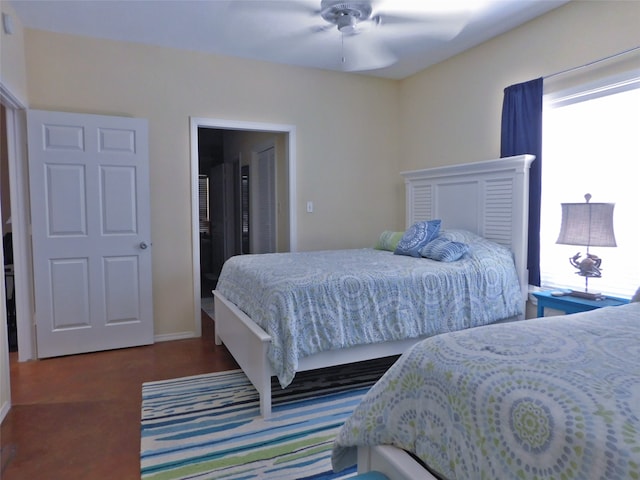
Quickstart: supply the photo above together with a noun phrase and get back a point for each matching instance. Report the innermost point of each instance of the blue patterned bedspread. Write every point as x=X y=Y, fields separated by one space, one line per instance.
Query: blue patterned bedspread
x=553 y=398
x=317 y=301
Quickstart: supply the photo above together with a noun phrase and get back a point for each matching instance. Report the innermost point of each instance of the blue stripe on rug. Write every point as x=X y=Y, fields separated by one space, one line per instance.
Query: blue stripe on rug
x=209 y=426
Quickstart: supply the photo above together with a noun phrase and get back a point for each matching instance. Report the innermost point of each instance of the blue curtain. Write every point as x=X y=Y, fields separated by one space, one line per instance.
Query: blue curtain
x=522 y=133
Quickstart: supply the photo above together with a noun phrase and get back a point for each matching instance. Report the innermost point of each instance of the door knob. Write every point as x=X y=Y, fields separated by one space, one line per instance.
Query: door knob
x=143 y=245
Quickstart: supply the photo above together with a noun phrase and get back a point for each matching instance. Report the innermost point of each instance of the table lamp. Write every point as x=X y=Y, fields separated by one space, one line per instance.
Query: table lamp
x=591 y=225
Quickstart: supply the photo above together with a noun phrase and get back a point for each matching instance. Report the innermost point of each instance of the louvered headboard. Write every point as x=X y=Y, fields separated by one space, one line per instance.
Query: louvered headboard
x=490 y=198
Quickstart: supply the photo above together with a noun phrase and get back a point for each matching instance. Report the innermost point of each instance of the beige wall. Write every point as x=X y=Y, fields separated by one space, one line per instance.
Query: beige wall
x=451 y=113
x=346 y=126
x=12 y=58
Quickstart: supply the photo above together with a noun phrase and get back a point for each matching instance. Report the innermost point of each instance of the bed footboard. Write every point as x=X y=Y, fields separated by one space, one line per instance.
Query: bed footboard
x=248 y=344
x=393 y=462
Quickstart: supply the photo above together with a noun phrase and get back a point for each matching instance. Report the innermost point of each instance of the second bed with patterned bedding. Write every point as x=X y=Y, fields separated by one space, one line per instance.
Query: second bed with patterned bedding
x=317 y=301
x=548 y=398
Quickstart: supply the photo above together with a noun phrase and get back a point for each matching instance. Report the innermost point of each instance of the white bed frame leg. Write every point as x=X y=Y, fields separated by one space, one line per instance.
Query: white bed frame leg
x=391 y=461
x=265 y=397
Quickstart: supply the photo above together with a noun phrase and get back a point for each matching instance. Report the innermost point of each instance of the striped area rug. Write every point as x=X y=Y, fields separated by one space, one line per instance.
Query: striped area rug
x=209 y=426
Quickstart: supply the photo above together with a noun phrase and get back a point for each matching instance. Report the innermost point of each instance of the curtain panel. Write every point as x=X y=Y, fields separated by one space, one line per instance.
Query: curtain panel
x=522 y=133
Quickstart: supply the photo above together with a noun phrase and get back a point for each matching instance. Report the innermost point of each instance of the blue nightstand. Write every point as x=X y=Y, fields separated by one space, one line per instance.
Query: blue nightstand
x=569 y=304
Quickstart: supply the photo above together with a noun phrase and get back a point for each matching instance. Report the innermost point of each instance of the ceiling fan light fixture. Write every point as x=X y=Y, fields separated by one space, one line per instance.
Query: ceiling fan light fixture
x=345 y=14
x=347 y=23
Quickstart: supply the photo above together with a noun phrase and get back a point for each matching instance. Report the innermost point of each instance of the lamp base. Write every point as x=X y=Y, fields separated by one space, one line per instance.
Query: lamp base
x=587 y=295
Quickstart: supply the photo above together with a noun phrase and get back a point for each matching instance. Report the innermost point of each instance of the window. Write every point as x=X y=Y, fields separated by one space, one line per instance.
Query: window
x=244 y=207
x=203 y=203
x=591 y=145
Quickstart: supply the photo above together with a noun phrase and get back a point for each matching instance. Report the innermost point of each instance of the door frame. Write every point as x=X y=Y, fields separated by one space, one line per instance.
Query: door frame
x=195 y=221
x=20 y=224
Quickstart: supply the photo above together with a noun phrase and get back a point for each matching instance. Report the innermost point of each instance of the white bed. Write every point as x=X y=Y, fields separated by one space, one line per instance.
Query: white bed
x=543 y=398
x=489 y=198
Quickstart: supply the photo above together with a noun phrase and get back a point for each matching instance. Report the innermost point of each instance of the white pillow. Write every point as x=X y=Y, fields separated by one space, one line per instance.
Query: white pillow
x=462 y=236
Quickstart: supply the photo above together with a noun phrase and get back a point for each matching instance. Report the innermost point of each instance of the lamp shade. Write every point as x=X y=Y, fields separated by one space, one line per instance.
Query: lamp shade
x=589 y=224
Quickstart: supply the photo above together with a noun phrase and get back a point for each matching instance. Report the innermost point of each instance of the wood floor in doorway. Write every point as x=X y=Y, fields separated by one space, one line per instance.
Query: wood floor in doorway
x=79 y=416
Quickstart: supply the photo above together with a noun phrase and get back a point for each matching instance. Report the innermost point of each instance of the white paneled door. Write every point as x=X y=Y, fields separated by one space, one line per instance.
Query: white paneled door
x=90 y=213
x=264 y=240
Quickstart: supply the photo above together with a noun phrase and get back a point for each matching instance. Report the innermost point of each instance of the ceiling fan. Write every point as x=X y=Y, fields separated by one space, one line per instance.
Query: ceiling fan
x=368 y=28
x=355 y=17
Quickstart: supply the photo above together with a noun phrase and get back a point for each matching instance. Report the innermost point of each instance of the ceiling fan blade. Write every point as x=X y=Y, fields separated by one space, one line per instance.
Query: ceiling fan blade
x=306 y=7
x=365 y=52
x=294 y=47
x=439 y=26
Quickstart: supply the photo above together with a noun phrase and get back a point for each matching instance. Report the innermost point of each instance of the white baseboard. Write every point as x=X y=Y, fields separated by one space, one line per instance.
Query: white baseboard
x=173 y=336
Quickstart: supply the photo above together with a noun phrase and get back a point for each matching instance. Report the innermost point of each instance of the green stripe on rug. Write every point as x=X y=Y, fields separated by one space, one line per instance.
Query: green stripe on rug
x=209 y=426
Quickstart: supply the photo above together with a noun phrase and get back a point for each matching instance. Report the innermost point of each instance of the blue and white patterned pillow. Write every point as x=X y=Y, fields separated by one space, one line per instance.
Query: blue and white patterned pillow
x=444 y=250
x=416 y=237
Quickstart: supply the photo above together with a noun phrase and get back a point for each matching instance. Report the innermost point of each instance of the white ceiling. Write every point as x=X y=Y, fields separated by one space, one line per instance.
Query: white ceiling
x=288 y=31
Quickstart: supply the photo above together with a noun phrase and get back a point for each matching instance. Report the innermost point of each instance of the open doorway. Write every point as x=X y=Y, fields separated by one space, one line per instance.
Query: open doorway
x=243 y=196
x=242 y=182
x=15 y=209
